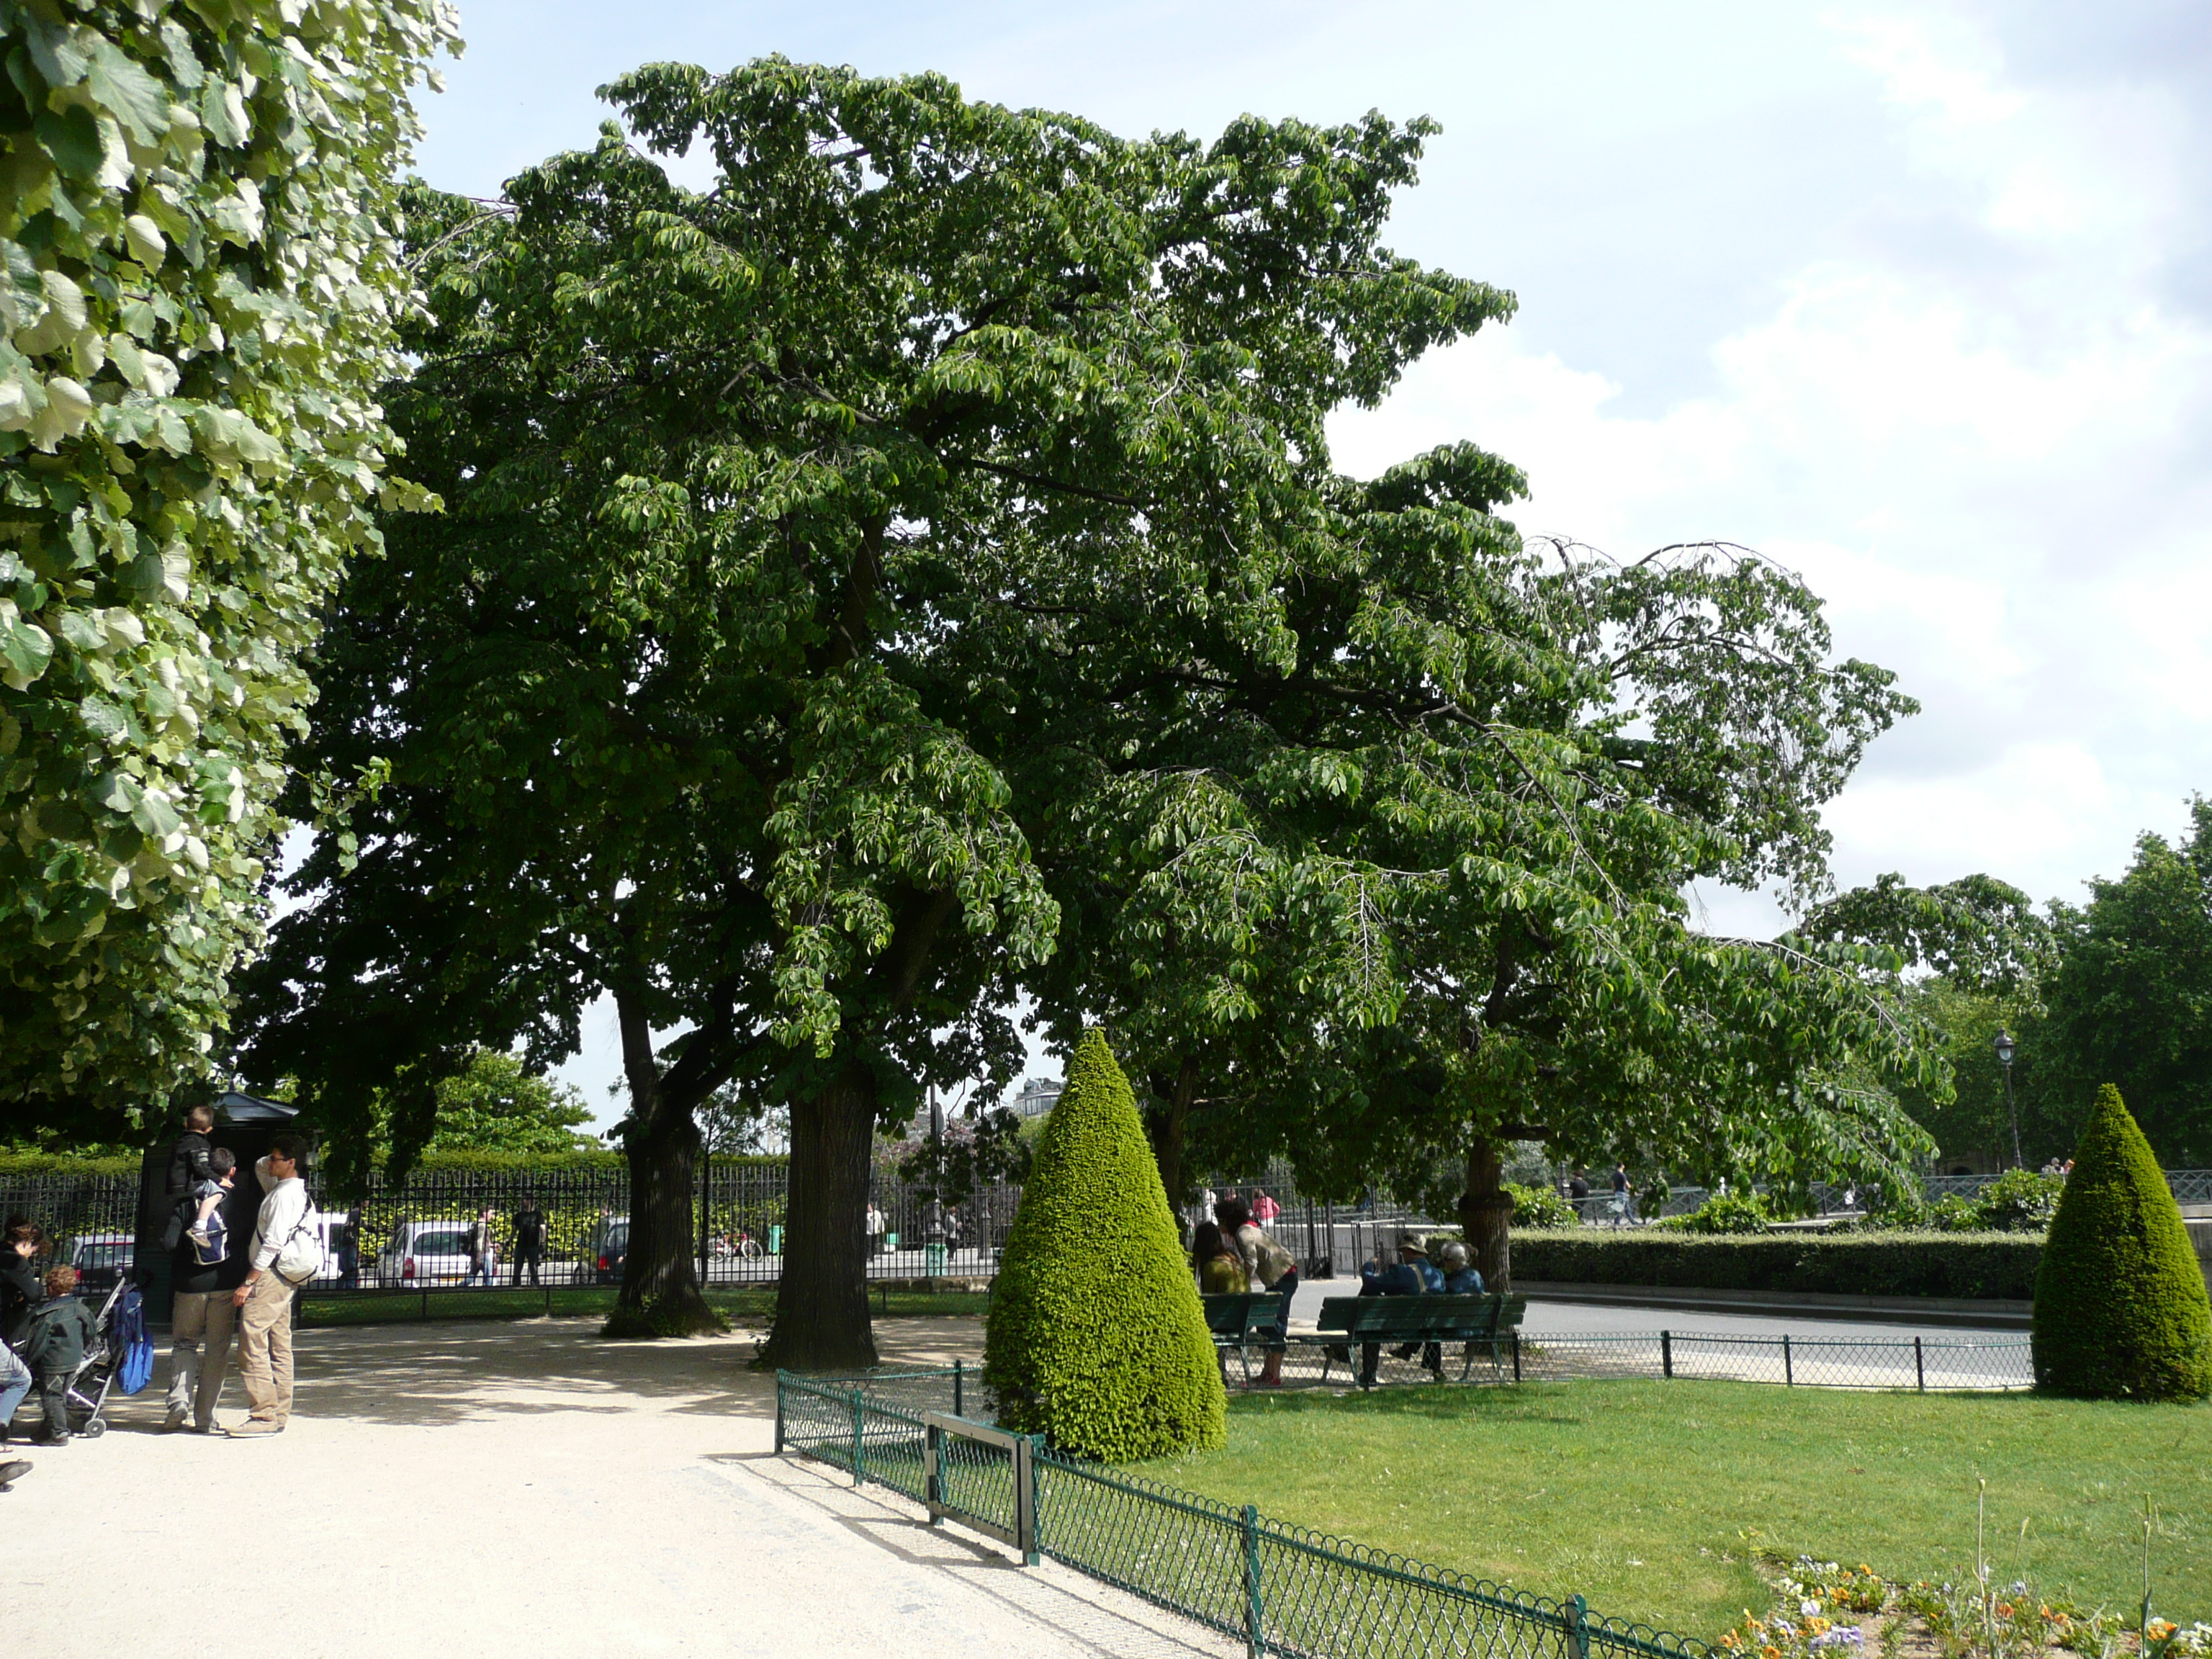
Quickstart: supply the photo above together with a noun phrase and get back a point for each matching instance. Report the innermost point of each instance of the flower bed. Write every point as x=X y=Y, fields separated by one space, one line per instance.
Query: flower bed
x=1830 y=1611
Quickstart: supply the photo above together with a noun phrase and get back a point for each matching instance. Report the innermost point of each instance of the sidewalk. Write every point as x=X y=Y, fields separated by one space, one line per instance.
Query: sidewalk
x=521 y=1489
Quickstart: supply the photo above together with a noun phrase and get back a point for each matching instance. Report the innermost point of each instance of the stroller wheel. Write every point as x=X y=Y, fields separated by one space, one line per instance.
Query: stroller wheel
x=94 y=1428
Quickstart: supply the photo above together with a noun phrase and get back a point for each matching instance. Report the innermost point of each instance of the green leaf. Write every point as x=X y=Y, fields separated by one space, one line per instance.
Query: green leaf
x=133 y=96
x=72 y=139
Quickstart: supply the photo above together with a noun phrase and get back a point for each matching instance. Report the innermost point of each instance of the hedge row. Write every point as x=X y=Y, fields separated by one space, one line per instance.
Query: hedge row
x=1996 y=1265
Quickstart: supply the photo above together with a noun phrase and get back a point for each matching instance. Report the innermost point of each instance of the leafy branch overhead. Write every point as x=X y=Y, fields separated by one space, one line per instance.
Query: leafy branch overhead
x=199 y=286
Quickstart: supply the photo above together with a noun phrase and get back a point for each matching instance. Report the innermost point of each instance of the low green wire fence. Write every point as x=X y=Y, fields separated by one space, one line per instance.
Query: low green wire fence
x=1280 y=1589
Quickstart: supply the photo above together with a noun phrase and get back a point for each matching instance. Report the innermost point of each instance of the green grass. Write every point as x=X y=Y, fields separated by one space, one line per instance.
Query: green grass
x=1645 y=1497
x=753 y=1303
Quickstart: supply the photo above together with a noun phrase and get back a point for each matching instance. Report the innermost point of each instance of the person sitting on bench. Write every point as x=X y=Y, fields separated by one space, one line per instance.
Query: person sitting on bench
x=1414 y=1275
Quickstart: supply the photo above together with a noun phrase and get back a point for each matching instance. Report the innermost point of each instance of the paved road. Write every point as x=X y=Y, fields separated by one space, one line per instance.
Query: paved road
x=1579 y=1318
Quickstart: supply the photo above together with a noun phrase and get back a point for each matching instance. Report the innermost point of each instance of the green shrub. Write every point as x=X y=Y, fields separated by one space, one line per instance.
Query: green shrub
x=1539 y=1206
x=1095 y=1335
x=2018 y=1201
x=1723 y=1214
x=2120 y=1309
x=1960 y=1265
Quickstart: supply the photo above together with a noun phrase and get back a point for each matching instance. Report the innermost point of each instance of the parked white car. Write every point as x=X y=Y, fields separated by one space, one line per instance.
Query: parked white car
x=422 y=1253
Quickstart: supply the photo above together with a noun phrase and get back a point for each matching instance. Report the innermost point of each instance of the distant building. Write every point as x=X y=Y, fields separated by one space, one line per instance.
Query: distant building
x=1036 y=1097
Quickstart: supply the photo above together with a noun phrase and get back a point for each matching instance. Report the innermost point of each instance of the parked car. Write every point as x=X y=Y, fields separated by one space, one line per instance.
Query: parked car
x=101 y=1259
x=605 y=1249
x=422 y=1253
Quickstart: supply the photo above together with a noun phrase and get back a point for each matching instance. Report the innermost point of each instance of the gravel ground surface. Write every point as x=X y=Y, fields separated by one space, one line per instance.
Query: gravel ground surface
x=520 y=1489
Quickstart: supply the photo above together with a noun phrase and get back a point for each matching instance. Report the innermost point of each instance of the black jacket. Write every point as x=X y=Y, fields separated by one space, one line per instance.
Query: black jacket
x=529 y=1231
x=188 y=1163
x=62 y=1332
x=20 y=1293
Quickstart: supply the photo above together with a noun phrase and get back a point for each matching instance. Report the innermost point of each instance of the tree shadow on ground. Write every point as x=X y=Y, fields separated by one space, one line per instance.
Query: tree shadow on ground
x=432 y=1375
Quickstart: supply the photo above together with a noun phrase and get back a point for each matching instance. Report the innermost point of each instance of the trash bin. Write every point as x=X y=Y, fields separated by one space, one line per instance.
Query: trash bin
x=932 y=1259
x=775 y=1240
x=891 y=1241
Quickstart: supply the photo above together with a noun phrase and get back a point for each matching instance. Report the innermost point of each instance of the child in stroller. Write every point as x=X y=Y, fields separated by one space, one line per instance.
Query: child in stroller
x=73 y=1355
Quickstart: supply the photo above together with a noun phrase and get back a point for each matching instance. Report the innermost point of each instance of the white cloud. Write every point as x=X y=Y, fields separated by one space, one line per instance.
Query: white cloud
x=1990 y=468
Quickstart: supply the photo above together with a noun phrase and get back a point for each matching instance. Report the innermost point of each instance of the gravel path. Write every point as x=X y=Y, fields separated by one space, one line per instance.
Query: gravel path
x=520 y=1489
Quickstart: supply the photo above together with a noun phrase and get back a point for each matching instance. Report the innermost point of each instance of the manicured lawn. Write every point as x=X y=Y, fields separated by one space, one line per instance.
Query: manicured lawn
x=751 y=1304
x=1645 y=1497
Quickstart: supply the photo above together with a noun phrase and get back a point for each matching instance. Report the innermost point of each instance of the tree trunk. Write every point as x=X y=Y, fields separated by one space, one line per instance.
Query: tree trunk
x=660 y=1294
x=821 y=1303
x=1486 y=1212
x=1168 y=1145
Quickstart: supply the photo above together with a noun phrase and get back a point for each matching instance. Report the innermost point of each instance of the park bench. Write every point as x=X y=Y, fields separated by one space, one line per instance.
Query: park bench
x=1483 y=1324
x=1240 y=1319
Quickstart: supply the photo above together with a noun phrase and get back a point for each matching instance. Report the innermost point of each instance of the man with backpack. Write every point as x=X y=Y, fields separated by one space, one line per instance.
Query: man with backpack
x=287 y=1252
x=200 y=1316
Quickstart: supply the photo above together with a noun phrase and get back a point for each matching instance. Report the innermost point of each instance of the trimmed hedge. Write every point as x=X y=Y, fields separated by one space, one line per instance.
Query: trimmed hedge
x=2120 y=1309
x=1995 y=1266
x=1095 y=1335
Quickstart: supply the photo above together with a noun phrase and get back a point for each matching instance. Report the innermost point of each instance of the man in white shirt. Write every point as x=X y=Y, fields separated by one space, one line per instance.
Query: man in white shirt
x=264 y=1322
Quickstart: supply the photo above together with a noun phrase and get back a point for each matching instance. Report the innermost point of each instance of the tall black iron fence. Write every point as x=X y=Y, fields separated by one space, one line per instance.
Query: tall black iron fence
x=409 y=1236
x=404 y=1236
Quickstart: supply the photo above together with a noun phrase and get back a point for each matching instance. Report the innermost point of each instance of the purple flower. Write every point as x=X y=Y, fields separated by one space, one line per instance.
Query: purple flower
x=1842 y=1636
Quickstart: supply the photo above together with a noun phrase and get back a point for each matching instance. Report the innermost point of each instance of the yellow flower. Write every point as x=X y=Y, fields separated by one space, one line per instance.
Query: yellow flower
x=1837 y=1594
x=1865 y=1570
x=2159 y=1629
x=1729 y=1640
x=1816 y=1625
x=1770 y=1653
x=2004 y=1609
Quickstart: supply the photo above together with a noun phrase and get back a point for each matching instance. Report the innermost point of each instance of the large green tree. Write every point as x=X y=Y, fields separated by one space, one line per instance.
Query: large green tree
x=2130 y=1000
x=921 y=548
x=1416 y=894
x=198 y=286
x=774 y=512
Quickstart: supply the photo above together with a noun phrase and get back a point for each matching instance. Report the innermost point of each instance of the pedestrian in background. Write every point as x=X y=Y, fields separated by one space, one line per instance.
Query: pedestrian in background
x=529 y=1238
x=484 y=1251
x=286 y=1253
x=200 y=1312
x=1268 y=1265
x=62 y=1333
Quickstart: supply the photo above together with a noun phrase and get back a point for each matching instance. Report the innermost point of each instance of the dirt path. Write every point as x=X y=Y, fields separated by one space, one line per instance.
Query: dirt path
x=519 y=1489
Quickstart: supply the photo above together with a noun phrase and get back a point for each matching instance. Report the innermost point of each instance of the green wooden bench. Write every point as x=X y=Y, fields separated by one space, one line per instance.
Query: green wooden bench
x=1241 y=1320
x=1484 y=1325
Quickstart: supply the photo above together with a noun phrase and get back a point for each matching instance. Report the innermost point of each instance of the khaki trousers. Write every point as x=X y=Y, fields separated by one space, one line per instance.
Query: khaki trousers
x=265 y=1349
x=200 y=1327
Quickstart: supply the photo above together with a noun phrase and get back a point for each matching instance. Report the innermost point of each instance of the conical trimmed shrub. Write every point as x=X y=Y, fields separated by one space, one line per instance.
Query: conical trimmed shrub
x=1096 y=1337
x=2120 y=1309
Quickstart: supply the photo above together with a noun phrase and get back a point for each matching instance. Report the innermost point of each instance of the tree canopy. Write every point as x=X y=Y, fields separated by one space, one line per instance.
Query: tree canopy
x=198 y=285
x=2129 y=1002
x=911 y=571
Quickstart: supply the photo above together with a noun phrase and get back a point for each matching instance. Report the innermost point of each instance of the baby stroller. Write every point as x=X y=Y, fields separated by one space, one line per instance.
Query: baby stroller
x=122 y=1357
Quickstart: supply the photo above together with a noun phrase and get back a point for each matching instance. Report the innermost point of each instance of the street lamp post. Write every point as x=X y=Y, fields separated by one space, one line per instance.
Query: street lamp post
x=2004 y=1045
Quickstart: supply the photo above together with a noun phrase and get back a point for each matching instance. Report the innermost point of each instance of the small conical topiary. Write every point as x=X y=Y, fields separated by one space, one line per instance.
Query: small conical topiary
x=2120 y=1309
x=1096 y=1336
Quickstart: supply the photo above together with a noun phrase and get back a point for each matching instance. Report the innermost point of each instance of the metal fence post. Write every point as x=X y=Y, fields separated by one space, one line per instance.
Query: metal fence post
x=1667 y=1355
x=1516 y=1356
x=957 y=1370
x=1578 y=1625
x=932 y=1471
x=1025 y=1498
x=1919 y=1365
x=1789 y=1373
x=1255 y=1634
x=859 y=1441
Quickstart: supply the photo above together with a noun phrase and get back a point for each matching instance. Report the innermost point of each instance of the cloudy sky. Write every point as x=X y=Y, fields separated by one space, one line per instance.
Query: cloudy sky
x=1917 y=301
